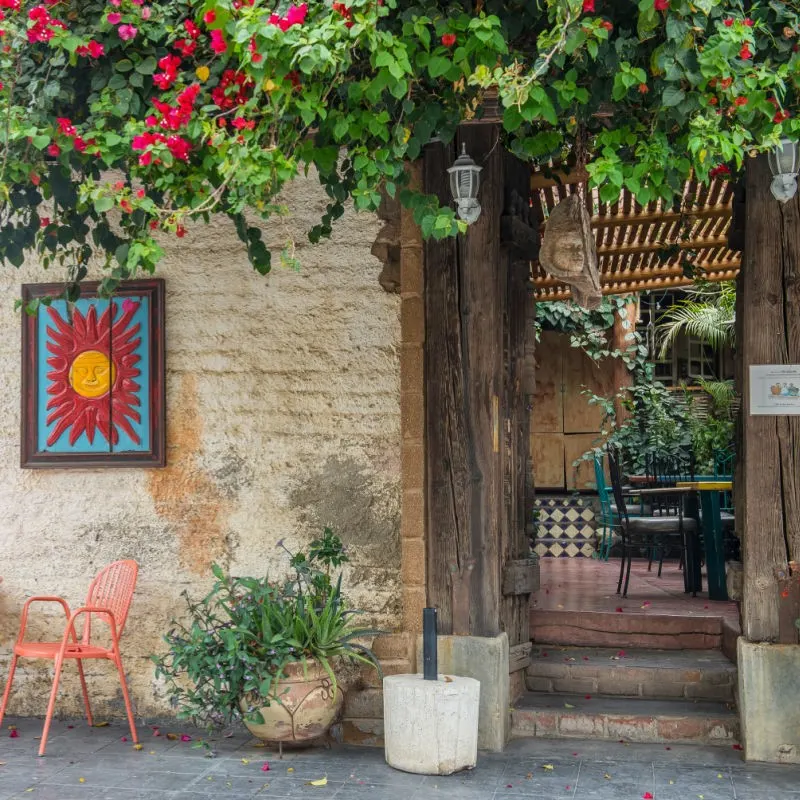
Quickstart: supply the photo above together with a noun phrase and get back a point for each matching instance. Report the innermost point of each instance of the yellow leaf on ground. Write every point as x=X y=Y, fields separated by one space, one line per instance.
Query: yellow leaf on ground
x=320 y=782
x=172 y=737
x=81 y=780
x=548 y=767
x=290 y=769
x=568 y=705
x=607 y=776
x=138 y=746
x=245 y=761
x=100 y=725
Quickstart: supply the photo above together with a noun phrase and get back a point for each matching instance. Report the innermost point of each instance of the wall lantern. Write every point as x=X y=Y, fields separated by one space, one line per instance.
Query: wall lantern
x=464 y=183
x=783 y=161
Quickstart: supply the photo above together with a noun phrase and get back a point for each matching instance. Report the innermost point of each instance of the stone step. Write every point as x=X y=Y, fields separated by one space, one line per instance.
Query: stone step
x=689 y=674
x=627 y=630
x=628 y=719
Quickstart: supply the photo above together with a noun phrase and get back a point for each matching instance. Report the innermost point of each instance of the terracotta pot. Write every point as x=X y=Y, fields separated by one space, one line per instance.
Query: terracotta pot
x=303 y=708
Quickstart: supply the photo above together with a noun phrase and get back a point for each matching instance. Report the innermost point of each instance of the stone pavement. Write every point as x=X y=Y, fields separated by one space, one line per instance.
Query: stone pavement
x=100 y=764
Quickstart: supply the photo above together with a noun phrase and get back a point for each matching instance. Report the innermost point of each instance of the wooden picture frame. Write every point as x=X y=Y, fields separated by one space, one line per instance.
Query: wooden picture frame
x=93 y=392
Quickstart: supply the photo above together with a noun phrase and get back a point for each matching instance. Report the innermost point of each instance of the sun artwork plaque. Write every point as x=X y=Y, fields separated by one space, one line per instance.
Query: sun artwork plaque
x=93 y=378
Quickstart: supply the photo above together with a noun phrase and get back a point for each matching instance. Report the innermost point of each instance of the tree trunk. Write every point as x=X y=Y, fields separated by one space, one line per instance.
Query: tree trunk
x=770 y=334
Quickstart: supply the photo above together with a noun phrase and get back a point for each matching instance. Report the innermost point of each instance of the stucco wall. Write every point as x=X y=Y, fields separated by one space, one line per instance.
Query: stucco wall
x=283 y=412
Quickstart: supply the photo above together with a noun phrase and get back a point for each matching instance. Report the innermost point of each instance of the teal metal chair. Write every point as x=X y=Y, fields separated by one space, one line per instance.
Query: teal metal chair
x=607 y=522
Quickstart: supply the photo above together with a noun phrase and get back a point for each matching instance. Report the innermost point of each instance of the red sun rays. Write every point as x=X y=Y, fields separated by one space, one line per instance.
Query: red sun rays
x=113 y=409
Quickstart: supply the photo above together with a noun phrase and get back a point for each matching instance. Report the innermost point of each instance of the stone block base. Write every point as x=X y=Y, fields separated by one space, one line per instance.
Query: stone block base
x=431 y=727
x=769 y=685
x=484 y=658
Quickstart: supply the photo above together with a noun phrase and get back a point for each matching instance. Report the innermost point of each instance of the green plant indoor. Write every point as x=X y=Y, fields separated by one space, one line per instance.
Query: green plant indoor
x=240 y=637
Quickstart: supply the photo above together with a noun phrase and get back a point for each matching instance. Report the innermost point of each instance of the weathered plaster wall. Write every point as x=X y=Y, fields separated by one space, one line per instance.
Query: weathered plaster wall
x=283 y=406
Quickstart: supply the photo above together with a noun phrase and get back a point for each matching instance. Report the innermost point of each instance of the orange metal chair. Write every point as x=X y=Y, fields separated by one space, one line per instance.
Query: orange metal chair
x=109 y=598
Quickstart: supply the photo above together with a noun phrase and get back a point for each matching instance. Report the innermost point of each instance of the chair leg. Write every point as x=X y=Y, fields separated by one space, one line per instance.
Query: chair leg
x=51 y=705
x=621 y=569
x=85 y=693
x=627 y=576
x=127 y=699
x=7 y=693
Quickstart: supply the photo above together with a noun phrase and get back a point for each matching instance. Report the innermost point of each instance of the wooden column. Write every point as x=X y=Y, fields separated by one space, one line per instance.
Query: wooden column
x=464 y=301
x=769 y=330
x=622 y=337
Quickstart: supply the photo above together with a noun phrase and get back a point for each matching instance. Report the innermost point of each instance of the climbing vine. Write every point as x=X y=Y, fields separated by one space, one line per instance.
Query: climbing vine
x=125 y=120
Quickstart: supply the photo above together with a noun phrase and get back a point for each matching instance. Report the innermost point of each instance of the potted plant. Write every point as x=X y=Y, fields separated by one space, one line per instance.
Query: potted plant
x=267 y=651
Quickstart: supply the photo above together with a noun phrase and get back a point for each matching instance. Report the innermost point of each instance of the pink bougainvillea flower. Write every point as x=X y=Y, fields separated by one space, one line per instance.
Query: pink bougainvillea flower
x=79 y=144
x=661 y=5
x=265 y=766
x=737 y=747
x=186 y=738
x=14 y=732
x=647 y=796
x=191 y=29
x=114 y=18
x=588 y=6
x=53 y=150
x=296 y=15
x=127 y=32
x=146 y=11
x=748 y=22
x=218 y=43
x=209 y=17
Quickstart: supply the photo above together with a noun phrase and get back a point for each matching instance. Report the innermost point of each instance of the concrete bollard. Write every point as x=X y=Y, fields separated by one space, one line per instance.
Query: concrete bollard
x=431 y=727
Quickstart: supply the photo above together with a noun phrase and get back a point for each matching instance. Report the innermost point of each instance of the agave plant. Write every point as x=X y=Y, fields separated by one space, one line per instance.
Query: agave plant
x=239 y=638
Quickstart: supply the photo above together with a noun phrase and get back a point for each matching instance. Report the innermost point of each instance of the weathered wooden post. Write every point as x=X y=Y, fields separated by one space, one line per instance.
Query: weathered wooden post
x=768 y=321
x=476 y=444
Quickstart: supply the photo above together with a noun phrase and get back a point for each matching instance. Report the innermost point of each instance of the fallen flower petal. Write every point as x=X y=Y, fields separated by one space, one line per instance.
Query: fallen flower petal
x=647 y=796
x=186 y=738
x=14 y=734
x=265 y=766
x=320 y=782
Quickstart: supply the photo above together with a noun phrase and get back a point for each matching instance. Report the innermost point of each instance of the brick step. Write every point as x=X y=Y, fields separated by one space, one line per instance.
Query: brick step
x=690 y=674
x=625 y=631
x=629 y=719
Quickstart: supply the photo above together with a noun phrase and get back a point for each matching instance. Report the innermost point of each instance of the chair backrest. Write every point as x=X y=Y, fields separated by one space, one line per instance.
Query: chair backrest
x=602 y=492
x=616 y=483
x=113 y=589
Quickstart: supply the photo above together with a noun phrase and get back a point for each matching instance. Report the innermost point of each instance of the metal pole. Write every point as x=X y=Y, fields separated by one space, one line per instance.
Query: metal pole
x=430 y=658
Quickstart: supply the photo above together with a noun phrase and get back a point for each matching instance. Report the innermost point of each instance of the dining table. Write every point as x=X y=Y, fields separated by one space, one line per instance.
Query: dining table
x=709 y=519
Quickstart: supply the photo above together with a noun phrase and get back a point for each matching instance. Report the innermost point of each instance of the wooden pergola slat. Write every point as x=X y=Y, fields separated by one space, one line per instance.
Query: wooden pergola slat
x=631 y=239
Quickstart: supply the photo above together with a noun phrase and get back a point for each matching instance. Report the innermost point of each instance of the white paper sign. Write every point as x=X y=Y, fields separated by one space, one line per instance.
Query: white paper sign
x=775 y=389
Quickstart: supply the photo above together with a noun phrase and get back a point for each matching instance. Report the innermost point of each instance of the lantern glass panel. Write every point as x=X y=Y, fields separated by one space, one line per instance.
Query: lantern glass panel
x=783 y=159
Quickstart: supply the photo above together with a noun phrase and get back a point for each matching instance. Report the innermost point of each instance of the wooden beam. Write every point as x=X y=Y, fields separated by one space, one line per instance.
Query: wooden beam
x=621 y=220
x=770 y=334
x=563 y=293
x=639 y=274
x=649 y=247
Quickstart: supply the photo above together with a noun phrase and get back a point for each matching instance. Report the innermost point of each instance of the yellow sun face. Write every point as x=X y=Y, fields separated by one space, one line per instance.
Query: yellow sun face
x=91 y=374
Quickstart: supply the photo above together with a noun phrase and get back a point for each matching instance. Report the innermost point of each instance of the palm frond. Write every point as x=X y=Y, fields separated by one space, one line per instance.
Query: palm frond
x=708 y=314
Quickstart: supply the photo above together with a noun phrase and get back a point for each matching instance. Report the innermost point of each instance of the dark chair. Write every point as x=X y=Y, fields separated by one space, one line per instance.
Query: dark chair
x=654 y=535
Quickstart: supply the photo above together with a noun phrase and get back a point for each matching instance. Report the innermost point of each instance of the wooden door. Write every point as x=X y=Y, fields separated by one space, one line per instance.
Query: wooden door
x=564 y=425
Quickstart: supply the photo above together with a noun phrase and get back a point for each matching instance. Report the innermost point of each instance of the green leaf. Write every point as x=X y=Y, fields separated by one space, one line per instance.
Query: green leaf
x=672 y=96
x=103 y=203
x=124 y=65
x=438 y=66
x=146 y=67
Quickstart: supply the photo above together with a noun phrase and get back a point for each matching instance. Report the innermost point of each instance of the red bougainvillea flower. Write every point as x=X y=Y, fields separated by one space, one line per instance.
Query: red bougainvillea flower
x=44 y=222
x=127 y=32
x=609 y=26
x=448 y=39
x=114 y=18
x=296 y=15
x=647 y=796
x=780 y=116
x=728 y=22
x=218 y=43
x=13 y=5
x=719 y=171
x=209 y=17
x=588 y=6
x=748 y=22
x=725 y=83
x=740 y=101
x=53 y=150
x=180 y=231
x=643 y=88
x=661 y=5
x=79 y=144
x=92 y=49
x=745 y=53
x=191 y=29
x=65 y=126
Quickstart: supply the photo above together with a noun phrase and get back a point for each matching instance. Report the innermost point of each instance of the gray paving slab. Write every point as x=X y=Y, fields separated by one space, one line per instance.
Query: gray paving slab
x=102 y=764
